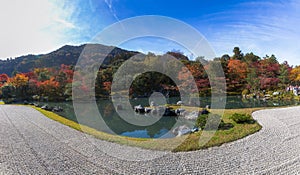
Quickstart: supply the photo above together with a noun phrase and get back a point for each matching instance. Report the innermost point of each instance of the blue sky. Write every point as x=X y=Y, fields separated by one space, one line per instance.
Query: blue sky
x=263 y=27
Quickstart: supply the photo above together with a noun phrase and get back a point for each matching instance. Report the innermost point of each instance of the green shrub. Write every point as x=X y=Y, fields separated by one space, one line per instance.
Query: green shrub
x=213 y=121
x=201 y=120
x=241 y=118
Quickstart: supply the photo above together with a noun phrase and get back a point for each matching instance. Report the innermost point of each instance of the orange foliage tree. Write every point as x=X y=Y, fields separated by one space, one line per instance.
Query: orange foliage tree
x=49 y=88
x=20 y=80
x=237 y=72
x=20 y=83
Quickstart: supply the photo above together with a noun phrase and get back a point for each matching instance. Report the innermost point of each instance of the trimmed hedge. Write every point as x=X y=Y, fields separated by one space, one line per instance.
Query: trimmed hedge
x=241 y=118
x=209 y=121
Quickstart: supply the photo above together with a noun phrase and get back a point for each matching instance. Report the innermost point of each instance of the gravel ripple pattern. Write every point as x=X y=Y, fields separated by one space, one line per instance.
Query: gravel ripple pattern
x=30 y=143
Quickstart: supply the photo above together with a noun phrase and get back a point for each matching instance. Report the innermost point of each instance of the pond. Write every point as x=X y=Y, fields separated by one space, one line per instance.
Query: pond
x=163 y=126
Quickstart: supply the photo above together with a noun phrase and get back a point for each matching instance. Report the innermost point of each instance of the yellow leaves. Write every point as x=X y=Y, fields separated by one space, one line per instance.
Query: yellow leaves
x=19 y=80
x=37 y=71
x=295 y=74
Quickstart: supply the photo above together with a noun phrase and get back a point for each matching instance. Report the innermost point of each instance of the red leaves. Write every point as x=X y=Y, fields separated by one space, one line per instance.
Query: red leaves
x=268 y=83
x=268 y=69
x=49 y=84
x=41 y=81
x=107 y=86
x=255 y=74
x=3 y=79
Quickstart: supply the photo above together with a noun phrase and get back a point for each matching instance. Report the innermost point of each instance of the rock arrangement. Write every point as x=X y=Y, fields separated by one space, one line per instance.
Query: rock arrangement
x=169 y=112
x=158 y=110
x=47 y=107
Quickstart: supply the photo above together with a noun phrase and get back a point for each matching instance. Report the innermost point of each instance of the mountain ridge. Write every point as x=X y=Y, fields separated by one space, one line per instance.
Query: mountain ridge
x=69 y=55
x=66 y=54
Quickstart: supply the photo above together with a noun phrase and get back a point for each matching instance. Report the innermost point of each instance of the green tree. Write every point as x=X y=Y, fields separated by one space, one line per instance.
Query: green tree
x=251 y=58
x=8 y=92
x=238 y=55
x=284 y=74
x=252 y=80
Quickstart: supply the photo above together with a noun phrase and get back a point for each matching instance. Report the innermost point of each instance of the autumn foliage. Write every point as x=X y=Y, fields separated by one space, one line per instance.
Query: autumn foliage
x=242 y=72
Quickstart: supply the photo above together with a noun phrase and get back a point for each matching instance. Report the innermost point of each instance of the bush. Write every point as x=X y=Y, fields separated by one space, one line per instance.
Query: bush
x=241 y=118
x=213 y=121
x=201 y=120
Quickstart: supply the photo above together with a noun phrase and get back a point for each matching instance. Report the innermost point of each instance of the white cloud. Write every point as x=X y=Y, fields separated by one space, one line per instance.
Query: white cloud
x=33 y=26
x=262 y=27
x=65 y=23
x=109 y=4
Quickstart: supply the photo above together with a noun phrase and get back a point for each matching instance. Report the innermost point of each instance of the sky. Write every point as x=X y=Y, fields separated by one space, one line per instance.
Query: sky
x=263 y=27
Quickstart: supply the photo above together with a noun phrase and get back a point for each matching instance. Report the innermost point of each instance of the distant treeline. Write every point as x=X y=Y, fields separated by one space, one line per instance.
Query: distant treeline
x=244 y=73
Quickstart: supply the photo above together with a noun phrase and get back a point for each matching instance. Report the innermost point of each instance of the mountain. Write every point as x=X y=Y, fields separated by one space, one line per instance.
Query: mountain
x=67 y=55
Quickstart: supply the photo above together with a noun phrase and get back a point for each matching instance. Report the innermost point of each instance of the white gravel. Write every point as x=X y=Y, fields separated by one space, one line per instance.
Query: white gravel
x=30 y=143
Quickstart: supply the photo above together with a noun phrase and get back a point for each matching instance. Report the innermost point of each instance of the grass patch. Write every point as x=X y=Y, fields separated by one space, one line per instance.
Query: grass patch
x=184 y=143
x=220 y=137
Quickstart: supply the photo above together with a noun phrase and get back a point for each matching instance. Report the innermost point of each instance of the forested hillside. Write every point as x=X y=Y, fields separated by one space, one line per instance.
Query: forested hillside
x=50 y=76
x=67 y=55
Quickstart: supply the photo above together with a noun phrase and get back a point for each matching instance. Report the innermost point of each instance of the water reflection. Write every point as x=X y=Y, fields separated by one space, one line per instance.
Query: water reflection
x=161 y=128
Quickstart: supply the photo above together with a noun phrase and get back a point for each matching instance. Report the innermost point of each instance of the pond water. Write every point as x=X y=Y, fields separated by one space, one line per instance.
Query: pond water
x=163 y=126
x=160 y=129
